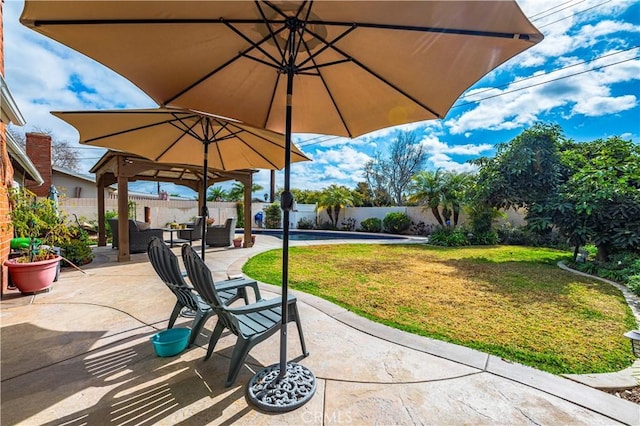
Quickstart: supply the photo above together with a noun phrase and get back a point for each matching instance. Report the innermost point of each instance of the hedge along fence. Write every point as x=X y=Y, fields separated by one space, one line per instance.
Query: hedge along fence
x=416 y=213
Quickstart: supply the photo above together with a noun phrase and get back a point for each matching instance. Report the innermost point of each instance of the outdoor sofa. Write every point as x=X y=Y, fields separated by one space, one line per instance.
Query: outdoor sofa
x=140 y=235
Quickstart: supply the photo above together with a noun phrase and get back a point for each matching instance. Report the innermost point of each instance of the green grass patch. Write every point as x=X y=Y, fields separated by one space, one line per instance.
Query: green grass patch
x=510 y=301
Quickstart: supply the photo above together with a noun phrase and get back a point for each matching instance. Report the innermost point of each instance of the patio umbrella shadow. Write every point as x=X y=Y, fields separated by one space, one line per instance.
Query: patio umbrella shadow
x=41 y=368
x=154 y=388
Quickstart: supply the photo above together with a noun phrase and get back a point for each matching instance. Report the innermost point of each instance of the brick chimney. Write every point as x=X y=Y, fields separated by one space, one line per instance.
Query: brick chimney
x=39 y=151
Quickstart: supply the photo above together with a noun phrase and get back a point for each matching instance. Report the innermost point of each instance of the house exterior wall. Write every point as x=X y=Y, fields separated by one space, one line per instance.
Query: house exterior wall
x=6 y=177
x=72 y=187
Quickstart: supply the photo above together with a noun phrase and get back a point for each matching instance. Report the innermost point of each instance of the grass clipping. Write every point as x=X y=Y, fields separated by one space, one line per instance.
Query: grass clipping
x=510 y=301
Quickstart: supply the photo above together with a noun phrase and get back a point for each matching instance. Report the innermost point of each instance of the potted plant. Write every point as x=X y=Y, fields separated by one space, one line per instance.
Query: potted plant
x=237 y=242
x=40 y=228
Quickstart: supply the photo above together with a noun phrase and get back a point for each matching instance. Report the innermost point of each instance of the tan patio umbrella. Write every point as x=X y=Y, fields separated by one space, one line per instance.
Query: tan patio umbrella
x=177 y=136
x=354 y=66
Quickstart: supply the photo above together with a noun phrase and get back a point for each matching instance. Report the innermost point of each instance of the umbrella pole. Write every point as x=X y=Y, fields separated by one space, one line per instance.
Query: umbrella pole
x=204 y=210
x=284 y=386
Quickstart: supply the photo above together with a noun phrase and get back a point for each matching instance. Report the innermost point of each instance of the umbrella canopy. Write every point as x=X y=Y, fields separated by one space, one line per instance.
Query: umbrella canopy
x=360 y=66
x=354 y=67
x=179 y=136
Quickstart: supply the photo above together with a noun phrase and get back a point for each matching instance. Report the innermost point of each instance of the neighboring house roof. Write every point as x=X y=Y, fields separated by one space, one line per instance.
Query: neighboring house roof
x=9 y=112
x=21 y=161
x=73 y=173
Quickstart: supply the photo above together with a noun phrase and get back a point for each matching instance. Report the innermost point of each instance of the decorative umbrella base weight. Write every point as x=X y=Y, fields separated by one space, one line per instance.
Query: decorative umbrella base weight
x=270 y=393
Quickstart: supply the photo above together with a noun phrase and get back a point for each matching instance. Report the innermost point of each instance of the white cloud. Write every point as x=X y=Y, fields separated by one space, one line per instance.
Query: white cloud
x=445 y=162
x=512 y=108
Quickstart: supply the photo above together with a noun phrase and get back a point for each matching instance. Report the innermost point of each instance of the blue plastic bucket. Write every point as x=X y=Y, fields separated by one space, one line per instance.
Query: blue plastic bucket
x=170 y=342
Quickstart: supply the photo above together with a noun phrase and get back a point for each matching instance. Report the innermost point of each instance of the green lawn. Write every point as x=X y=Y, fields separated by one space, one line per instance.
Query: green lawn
x=509 y=301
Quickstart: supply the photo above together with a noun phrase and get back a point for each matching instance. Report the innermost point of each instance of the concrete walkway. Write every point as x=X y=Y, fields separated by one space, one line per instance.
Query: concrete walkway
x=80 y=354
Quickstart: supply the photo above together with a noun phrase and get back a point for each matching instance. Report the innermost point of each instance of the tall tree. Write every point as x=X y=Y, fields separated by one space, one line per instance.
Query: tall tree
x=600 y=200
x=376 y=173
x=390 y=177
x=525 y=173
x=62 y=153
x=406 y=158
x=333 y=199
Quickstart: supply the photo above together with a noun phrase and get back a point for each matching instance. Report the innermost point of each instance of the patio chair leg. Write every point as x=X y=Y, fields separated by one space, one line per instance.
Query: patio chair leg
x=197 y=324
x=240 y=352
x=174 y=315
x=217 y=332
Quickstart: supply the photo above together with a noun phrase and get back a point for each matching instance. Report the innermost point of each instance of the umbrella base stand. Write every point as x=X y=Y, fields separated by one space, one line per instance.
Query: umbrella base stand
x=269 y=393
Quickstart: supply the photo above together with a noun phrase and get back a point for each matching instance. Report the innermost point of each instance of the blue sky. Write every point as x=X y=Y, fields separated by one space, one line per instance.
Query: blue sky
x=584 y=76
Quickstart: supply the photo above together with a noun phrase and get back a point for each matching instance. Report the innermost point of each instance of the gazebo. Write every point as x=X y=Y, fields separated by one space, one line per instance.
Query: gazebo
x=122 y=168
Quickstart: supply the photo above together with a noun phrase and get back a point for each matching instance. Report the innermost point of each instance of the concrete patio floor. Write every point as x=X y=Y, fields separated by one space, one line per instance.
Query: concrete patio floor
x=80 y=354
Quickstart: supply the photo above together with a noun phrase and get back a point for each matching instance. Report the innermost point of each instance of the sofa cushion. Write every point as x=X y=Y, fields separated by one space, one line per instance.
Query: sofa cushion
x=142 y=226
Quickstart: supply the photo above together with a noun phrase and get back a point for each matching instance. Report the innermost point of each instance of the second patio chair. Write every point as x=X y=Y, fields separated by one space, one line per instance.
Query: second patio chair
x=251 y=323
x=167 y=267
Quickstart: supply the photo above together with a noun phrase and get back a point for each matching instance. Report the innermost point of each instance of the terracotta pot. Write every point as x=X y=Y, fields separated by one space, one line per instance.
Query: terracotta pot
x=253 y=240
x=34 y=276
x=237 y=243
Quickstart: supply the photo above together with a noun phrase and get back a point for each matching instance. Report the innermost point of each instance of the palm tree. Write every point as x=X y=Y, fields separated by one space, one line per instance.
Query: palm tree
x=426 y=189
x=454 y=189
x=216 y=193
x=333 y=199
x=236 y=193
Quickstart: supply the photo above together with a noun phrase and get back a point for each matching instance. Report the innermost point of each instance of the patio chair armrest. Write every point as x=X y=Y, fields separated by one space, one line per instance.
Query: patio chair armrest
x=261 y=305
x=239 y=283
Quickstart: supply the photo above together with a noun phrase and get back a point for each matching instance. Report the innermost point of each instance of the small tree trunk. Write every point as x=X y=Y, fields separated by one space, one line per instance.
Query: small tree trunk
x=436 y=214
x=603 y=253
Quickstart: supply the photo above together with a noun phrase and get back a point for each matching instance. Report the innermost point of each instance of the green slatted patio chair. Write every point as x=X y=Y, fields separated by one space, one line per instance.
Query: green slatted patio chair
x=167 y=267
x=251 y=323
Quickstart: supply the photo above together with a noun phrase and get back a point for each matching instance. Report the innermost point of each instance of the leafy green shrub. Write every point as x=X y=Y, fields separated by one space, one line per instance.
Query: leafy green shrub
x=326 y=226
x=623 y=267
x=240 y=214
x=372 y=224
x=272 y=216
x=448 y=236
x=488 y=238
x=78 y=249
x=634 y=284
x=421 y=228
x=396 y=223
x=109 y=214
x=305 y=223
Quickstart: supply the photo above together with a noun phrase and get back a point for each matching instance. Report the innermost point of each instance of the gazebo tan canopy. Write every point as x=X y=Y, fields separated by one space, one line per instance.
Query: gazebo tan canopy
x=354 y=67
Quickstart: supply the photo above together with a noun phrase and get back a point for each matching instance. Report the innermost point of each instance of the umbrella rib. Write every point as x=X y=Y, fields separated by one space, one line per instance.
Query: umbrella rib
x=121 y=132
x=258 y=45
x=273 y=96
x=268 y=24
x=326 y=45
x=438 y=30
x=54 y=22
